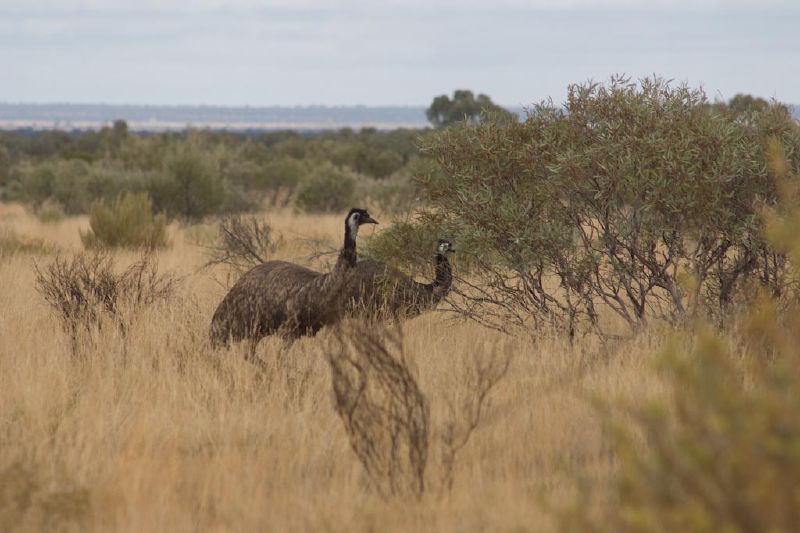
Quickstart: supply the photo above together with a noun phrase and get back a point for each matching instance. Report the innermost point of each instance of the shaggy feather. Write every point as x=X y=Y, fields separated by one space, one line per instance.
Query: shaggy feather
x=285 y=298
x=375 y=289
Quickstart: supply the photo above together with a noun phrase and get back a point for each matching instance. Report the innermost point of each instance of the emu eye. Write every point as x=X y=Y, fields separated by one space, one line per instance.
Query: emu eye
x=356 y=216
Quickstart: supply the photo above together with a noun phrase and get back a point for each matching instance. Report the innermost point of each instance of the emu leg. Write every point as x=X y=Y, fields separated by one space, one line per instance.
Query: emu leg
x=250 y=355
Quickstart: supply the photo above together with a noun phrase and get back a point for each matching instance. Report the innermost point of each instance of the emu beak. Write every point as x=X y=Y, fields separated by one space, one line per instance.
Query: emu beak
x=368 y=220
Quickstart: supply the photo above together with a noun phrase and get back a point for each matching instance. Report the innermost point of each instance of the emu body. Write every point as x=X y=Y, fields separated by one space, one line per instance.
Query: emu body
x=375 y=289
x=285 y=298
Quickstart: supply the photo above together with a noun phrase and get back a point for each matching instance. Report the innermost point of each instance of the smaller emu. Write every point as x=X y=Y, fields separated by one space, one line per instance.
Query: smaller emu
x=285 y=298
x=377 y=290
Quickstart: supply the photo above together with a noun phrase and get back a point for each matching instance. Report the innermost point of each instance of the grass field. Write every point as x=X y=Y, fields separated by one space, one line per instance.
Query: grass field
x=177 y=437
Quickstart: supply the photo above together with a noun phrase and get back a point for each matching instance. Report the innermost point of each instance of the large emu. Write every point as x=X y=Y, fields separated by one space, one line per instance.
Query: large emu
x=285 y=298
x=377 y=290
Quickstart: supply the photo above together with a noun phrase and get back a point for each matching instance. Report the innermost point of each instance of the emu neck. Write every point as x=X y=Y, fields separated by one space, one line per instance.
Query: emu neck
x=348 y=255
x=319 y=302
x=444 y=277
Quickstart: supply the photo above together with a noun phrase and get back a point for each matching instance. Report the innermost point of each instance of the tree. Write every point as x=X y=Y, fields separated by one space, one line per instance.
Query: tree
x=605 y=203
x=464 y=106
x=120 y=129
x=747 y=103
x=5 y=164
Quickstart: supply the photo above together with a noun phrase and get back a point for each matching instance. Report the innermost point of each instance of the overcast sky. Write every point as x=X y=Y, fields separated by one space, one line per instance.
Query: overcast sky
x=398 y=52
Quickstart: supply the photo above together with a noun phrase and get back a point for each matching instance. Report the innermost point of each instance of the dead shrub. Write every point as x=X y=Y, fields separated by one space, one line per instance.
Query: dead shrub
x=383 y=409
x=242 y=243
x=85 y=292
x=482 y=375
x=386 y=414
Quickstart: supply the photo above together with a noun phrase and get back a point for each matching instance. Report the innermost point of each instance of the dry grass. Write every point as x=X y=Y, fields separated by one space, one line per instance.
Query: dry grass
x=175 y=437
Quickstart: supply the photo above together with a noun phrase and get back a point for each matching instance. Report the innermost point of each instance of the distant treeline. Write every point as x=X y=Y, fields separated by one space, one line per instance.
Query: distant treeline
x=192 y=174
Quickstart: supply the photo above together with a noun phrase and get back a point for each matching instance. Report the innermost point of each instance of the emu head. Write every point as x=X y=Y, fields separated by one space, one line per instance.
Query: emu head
x=355 y=218
x=445 y=247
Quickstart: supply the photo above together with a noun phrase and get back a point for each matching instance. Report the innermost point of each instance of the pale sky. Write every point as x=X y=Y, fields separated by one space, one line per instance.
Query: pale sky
x=395 y=52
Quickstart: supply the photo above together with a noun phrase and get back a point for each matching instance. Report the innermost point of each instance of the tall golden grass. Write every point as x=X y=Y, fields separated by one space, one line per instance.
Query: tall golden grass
x=173 y=436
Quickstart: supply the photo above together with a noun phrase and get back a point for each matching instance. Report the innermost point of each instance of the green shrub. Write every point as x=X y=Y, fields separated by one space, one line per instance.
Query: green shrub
x=190 y=185
x=720 y=451
x=11 y=244
x=327 y=189
x=607 y=203
x=50 y=211
x=69 y=184
x=5 y=165
x=72 y=184
x=128 y=222
x=281 y=173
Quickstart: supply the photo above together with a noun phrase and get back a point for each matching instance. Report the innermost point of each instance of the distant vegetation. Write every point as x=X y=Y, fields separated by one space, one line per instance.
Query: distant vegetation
x=464 y=107
x=195 y=174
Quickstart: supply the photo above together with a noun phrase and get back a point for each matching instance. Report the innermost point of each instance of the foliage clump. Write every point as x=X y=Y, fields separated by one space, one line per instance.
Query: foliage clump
x=609 y=203
x=50 y=212
x=327 y=190
x=719 y=452
x=128 y=222
x=12 y=243
x=464 y=107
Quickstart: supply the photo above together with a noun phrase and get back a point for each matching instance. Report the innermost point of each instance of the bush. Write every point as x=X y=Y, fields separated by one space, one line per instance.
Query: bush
x=242 y=242
x=85 y=291
x=5 y=165
x=386 y=414
x=383 y=409
x=72 y=184
x=327 y=190
x=284 y=173
x=190 y=175
x=607 y=204
x=127 y=223
x=62 y=181
x=190 y=185
x=11 y=244
x=50 y=211
x=719 y=452
x=396 y=194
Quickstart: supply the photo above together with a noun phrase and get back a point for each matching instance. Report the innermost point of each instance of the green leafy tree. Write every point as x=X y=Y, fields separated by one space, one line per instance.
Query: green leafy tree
x=464 y=106
x=605 y=204
x=745 y=103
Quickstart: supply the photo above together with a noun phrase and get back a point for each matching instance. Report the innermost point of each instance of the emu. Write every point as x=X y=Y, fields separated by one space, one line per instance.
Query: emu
x=285 y=298
x=376 y=289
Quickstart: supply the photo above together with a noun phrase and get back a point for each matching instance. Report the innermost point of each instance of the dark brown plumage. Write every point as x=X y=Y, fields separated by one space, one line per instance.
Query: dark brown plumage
x=375 y=289
x=285 y=298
